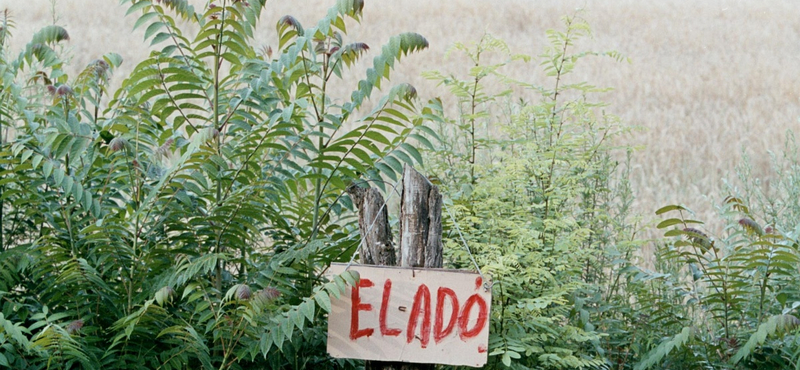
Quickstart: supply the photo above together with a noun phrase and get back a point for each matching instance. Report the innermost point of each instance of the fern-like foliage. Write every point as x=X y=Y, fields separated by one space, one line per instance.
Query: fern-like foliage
x=529 y=182
x=731 y=289
x=664 y=348
x=775 y=325
x=182 y=220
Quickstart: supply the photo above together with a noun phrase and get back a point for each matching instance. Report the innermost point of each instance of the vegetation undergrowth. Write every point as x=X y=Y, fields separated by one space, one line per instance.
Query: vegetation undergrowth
x=184 y=220
x=537 y=195
x=727 y=300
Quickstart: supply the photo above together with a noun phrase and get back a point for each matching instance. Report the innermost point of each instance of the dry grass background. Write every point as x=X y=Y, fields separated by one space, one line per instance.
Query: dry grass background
x=707 y=79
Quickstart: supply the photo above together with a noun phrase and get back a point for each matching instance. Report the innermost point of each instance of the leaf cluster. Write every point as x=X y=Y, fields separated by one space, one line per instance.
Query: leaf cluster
x=537 y=196
x=182 y=221
x=733 y=296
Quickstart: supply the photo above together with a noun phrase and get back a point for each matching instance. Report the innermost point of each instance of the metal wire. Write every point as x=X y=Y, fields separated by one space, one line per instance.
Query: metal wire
x=369 y=229
x=486 y=285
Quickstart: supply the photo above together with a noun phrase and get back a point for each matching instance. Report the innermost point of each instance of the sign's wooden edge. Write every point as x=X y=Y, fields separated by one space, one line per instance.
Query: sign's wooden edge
x=357 y=265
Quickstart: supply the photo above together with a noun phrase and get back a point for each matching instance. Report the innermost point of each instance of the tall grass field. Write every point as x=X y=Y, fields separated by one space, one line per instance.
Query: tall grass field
x=708 y=82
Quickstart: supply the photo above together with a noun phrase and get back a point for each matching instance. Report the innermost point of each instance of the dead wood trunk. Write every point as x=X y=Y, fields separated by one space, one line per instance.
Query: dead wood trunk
x=420 y=234
x=420 y=222
x=376 y=247
x=373 y=222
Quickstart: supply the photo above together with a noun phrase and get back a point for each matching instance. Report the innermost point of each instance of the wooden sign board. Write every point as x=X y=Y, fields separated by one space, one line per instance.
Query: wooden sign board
x=411 y=315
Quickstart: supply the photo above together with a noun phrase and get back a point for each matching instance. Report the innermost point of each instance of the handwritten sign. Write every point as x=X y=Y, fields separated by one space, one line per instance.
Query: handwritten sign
x=411 y=315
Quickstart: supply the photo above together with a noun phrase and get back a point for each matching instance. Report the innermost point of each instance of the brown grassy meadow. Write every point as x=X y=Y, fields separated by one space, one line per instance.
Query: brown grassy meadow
x=707 y=80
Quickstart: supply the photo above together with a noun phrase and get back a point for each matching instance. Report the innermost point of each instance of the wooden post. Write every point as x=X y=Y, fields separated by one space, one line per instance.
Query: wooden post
x=376 y=247
x=373 y=222
x=420 y=222
x=420 y=234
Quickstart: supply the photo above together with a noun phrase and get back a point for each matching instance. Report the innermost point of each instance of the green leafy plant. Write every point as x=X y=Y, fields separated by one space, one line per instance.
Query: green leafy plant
x=535 y=192
x=184 y=222
x=738 y=293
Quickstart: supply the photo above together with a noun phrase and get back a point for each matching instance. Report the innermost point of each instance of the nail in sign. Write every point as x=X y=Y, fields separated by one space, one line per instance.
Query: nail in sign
x=411 y=315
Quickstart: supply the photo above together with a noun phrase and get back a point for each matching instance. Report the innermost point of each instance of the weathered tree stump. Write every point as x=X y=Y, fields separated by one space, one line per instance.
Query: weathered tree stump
x=373 y=222
x=420 y=221
x=420 y=234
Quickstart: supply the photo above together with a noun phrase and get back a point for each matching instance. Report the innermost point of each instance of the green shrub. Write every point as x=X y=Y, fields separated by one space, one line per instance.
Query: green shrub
x=184 y=223
x=539 y=199
x=184 y=220
x=725 y=301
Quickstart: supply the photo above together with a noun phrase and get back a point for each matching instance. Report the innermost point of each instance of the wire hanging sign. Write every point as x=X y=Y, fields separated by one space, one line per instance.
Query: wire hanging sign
x=418 y=312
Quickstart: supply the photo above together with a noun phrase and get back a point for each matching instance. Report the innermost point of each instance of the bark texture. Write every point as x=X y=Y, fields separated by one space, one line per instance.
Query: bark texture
x=373 y=222
x=420 y=221
x=420 y=234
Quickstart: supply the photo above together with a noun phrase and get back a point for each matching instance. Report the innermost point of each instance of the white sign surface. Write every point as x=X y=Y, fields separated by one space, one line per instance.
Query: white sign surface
x=411 y=315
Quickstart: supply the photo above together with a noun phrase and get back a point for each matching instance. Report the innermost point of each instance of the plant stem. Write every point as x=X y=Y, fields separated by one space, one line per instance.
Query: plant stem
x=764 y=284
x=218 y=141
